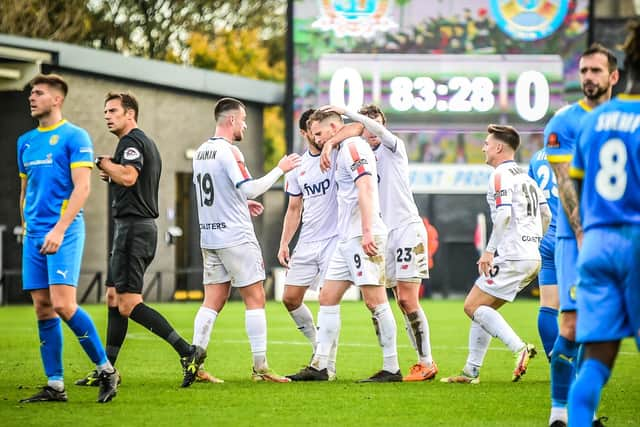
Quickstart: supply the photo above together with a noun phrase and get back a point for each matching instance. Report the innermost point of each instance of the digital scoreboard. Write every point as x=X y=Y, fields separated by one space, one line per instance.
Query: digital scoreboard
x=432 y=92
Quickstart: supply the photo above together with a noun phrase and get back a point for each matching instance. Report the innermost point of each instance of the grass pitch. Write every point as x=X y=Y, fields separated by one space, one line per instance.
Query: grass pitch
x=151 y=375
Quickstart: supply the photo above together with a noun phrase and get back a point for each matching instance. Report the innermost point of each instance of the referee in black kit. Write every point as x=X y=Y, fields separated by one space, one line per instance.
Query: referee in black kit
x=134 y=177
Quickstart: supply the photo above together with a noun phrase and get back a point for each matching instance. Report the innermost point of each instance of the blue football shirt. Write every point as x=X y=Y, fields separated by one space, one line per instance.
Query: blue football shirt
x=560 y=137
x=540 y=171
x=607 y=159
x=46 y=157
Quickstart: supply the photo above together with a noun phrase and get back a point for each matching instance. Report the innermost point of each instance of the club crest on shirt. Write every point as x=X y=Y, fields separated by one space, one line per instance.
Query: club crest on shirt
x=131 y=154
x=553 y=141
x=54 y=139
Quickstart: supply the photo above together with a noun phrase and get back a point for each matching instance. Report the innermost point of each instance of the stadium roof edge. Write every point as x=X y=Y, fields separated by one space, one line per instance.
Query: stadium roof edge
x=151 y=71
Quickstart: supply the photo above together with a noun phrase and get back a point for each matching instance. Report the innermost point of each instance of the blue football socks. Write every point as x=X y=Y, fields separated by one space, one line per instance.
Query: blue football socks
x=584 y=396
x=84 y=328
x=50 y=331
x=548 y=328
x=563 y=361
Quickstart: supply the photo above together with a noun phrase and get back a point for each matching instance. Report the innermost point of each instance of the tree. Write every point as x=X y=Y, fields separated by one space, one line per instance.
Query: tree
x=148 y=28
x=243 y=52
x=243 y=37
x=67 y=21
x=160 y=28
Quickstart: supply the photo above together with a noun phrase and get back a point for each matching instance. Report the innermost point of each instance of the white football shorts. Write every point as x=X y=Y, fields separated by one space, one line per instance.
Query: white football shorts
x=407 y=256
x=350 y=263
x=309 y=262
x=507 y=277
x=242 y=265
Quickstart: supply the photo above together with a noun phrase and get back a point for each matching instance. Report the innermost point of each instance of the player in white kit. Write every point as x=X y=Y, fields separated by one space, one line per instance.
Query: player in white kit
x=230 y=251
x=520 y=218
x=312 y=201
x=359 y=255
x=406 y=256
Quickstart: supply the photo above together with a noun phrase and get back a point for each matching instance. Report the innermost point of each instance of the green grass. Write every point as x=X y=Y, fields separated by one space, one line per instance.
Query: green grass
x=150 y=393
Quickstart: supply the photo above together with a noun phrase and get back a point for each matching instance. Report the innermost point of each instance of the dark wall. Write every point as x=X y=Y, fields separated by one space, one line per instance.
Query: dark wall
x=14 y=121
x=454 y=217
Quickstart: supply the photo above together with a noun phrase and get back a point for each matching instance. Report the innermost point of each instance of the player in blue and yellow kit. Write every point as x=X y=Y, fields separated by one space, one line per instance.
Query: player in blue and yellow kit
x=55 y=162
x=598 y=74
x=606 y=165
x=540 y=171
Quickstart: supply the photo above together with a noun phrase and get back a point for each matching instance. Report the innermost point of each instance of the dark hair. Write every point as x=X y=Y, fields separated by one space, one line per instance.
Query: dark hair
x=224 y=105
x=372 y=111
x=128 y=101
x=598 y=48
x=53 y=80
x=631 y=49
x=320 y=115
x=506 y=134
x=304 y=118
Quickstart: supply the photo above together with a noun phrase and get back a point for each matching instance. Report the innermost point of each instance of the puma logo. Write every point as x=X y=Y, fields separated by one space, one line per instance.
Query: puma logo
x=62 y=273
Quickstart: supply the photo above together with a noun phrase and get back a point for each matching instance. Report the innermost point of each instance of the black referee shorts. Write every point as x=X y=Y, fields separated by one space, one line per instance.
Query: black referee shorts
x=134 y=246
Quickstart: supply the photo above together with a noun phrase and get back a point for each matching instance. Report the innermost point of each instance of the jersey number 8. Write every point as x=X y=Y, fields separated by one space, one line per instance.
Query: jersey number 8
x=611 y=180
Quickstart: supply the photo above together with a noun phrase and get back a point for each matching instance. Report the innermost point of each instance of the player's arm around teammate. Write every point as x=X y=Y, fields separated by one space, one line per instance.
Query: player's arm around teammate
x=406 y=258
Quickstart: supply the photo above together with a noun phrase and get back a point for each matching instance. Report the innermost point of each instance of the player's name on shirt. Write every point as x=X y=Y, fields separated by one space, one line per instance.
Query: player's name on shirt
x=206 y=155
x=618 y=121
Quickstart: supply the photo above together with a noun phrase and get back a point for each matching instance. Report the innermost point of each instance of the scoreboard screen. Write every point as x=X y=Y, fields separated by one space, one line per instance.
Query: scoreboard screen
x=440 y=73
x=421 y=92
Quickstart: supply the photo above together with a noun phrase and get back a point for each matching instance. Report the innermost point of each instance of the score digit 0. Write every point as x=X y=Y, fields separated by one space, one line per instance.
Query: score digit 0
x=463 y=94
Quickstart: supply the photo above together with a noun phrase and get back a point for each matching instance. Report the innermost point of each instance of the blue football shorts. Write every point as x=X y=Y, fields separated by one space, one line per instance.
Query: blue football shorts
x=62 y=268
x=609 y=285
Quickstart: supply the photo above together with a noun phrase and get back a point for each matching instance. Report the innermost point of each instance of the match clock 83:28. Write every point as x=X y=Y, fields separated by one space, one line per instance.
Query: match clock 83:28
x=427 y=92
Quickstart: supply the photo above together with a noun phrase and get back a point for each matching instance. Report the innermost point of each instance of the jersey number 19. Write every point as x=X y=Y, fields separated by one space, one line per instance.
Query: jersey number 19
x=205 y=189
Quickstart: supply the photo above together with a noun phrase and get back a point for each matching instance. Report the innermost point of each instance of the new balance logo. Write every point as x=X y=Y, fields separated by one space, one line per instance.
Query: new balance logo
x=321 y=187
x=62 y=273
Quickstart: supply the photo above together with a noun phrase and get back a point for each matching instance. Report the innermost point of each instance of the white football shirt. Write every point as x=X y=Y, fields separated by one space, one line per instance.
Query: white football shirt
x=355 y=159
x=510 y=187
x=218 y=171
x=396 y=199
x=319 y=201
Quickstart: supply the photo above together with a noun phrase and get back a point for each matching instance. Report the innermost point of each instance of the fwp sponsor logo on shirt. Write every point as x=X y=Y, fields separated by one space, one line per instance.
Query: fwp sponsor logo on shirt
x=319 y=188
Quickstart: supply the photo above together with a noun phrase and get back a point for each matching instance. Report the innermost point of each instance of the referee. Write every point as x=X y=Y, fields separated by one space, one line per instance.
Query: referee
x=133 y=174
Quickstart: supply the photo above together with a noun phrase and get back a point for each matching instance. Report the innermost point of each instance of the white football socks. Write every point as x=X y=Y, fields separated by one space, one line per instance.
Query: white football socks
x=203 y=325
x=256 y=325
x=385 y=325
x=495 y=324
x=304 y=321
x=479 y=341
x=328 y=330
x=417 y=327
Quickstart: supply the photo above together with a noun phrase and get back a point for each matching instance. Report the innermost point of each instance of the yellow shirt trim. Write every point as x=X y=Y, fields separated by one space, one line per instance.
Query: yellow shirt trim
x=559 y=158
x=584 y=105
x=82 y=165
x=63 y=208
x=629 y=97
x=576 y=173
x=52 y=127
x=22 y=175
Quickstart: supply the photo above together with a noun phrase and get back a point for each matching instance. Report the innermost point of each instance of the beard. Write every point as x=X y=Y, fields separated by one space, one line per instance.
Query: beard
x=315 y=145
x=594 y=92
